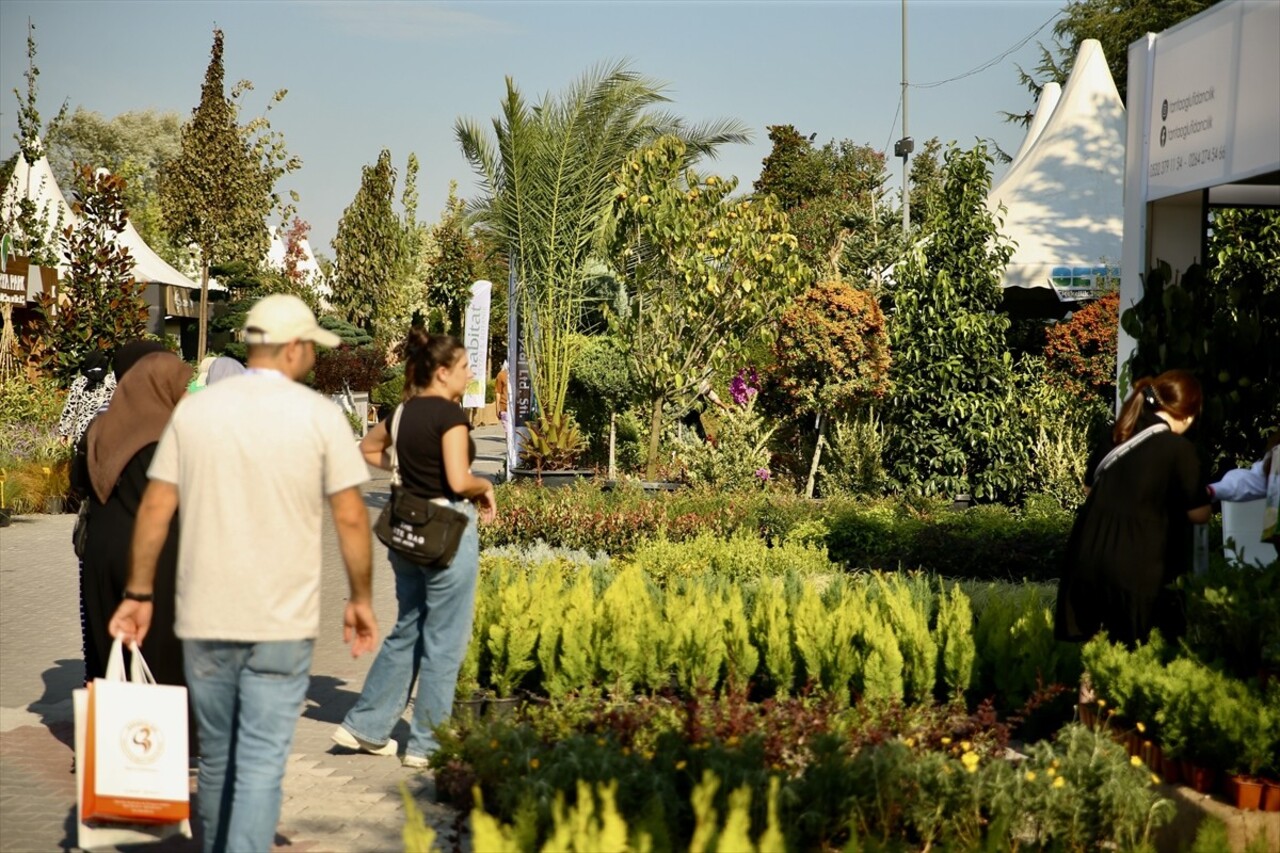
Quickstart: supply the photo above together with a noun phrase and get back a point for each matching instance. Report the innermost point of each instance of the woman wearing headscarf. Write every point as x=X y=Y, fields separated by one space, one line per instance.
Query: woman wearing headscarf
x=90 y=391
x=222 y=368
x=121 y=442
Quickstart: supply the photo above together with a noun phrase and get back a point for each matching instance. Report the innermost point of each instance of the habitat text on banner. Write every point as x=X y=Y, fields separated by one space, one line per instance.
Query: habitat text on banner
x=476 y=335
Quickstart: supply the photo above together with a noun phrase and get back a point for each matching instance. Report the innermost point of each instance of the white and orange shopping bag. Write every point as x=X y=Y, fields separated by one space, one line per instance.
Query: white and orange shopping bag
x=131 y=757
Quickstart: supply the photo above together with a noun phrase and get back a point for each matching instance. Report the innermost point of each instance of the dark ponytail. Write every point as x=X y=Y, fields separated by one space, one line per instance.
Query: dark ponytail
x=424 y=354
x=1174 y=391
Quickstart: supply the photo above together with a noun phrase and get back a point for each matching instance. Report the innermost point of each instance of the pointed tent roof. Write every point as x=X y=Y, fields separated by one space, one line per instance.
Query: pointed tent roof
x=1065 y=194
x=1050 y=94
x=37 y=183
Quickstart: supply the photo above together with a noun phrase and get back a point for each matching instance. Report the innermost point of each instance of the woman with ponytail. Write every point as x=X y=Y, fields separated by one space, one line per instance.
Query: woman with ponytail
x=434 y=452
x=1132 y=536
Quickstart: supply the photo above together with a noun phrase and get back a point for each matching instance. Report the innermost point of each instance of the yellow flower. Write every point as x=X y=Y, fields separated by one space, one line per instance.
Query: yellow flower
x=1135 y=761
x=910 y=741
x=970 y=761
x=533 y=762
x=1051 y=771
x=1059 y=782
x=681 y=764
x=732 y=740
x=1142 y=727
x=1102 y=703
x=965 y=745
x=946 y=740
x=1031 y=775
x=1155 y=780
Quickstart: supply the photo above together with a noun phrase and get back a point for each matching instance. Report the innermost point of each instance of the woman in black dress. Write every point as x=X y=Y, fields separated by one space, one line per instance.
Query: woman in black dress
x=1132 y=537
x=121 y=442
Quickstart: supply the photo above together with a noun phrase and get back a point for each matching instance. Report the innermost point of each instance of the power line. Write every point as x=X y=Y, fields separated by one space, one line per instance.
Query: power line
x=885 y=149
x=984 y=66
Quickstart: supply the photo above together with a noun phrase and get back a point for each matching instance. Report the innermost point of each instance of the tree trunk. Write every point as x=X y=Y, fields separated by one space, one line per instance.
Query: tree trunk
x=613 y=445
x=817 y=454
x=655 y=435
x=204 y=310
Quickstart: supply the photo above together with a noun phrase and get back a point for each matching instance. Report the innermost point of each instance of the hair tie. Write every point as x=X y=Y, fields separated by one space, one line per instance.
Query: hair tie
x=1149 y=396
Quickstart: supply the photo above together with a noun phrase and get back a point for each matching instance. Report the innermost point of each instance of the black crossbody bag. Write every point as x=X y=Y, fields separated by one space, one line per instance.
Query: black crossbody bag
x=419 y=529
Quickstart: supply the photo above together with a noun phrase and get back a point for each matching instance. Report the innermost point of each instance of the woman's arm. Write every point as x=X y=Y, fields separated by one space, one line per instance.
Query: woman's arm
x=374 y=447
x=1199 y=515
x=457 y=470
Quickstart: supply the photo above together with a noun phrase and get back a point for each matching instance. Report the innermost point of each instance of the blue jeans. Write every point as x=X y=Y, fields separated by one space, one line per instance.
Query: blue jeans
x=247 y=698
x=429 y=641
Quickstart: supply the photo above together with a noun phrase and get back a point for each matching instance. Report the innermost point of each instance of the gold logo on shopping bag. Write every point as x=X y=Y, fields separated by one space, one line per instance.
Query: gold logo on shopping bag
x=142 y=741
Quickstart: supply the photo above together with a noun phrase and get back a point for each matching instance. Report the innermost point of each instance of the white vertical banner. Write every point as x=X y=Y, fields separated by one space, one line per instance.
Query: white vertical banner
x=476 y=337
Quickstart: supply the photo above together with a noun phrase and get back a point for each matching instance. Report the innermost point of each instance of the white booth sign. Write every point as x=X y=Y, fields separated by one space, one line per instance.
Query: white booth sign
x=1212 y=116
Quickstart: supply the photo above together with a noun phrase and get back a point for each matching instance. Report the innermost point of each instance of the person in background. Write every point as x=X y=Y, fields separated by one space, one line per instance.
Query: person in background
x=435 y=605
x=201 y=379
x=502 y=398
x=1246 y=484
x=128 y=354
x=1132 y=537
x=223 y=368
x=90 y=392
x=252 y=461
x=113 y=476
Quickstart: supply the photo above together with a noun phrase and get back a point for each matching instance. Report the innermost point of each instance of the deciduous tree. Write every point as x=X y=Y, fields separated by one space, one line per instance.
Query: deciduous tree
x=832 y=354
x=705 y=273
x=101 y=304
x=218 y=192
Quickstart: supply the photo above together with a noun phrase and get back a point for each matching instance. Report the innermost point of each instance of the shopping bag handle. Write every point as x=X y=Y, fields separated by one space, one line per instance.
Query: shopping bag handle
x=139 y=672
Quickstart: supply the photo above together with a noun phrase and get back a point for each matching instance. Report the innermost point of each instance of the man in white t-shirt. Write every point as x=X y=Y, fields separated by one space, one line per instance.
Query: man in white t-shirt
x=251 y=461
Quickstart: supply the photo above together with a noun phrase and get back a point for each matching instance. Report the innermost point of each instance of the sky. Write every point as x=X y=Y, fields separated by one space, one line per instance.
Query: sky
x=363 y=76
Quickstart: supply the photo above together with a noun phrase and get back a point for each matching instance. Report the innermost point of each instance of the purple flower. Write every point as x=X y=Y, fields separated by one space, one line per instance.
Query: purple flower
x=762 y=474
x=744 y=386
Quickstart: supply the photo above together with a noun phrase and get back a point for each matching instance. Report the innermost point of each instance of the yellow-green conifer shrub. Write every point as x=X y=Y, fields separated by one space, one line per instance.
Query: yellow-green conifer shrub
x=882 y=667
x=847 y=613
x=741 y=657
x=735 y=835
x=697 y=647
x=513 y=634
x=812 y=632
x=954 y=638
x=631 y=635
x=487 y=832
x=908 y=615
x=418 y=836
x=593 y=825
x=771 y=634
x=577 y=611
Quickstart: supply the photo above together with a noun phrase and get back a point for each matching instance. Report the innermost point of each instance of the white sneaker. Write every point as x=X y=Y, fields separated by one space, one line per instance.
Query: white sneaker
x=414 y=762
x=347 y=740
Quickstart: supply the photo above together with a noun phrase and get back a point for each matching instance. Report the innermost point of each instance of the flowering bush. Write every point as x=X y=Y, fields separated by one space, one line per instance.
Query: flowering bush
x=738 y=456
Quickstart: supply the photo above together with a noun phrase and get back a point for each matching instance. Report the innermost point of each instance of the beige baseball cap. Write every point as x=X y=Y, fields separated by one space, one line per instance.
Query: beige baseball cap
x=281 y=318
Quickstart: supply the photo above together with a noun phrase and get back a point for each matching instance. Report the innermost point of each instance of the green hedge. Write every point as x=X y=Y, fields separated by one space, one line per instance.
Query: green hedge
x=986 y=542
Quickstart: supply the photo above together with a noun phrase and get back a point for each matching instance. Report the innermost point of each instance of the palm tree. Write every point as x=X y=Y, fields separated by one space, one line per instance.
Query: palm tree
x=549 y=171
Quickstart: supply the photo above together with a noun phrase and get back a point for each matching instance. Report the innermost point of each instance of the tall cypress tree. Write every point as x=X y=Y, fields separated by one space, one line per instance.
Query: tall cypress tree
x=216 y=192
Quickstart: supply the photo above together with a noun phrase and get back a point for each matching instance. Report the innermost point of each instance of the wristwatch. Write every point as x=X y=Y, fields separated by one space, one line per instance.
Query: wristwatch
x=144 y=597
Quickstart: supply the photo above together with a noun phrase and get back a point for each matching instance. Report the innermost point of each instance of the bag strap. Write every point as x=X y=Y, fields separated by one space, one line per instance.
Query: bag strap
x=391 y=451
x=139 y=672
x=1118 y=452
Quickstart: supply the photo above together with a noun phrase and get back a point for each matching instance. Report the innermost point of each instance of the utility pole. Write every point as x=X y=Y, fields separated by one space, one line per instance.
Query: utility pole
x=906 y=144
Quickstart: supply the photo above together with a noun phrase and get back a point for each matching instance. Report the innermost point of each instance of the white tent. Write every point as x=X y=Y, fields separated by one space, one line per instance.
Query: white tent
x=1064 y=193
x=38 y=184
x=1050 y=94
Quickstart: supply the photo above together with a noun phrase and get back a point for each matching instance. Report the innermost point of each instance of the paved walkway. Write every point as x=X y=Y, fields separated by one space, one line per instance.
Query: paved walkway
x=333 y=800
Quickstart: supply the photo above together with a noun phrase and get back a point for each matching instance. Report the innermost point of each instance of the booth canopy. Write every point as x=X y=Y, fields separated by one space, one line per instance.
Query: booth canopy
x=1064 y=191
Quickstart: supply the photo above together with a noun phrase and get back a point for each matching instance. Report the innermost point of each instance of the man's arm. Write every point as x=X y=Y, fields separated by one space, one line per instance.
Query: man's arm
x=359 y=627
x=132 y=619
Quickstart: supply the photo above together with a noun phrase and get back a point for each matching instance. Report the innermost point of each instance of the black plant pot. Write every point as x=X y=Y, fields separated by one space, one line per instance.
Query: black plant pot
x=960 y=502
x=5 y=518
x=553 y=479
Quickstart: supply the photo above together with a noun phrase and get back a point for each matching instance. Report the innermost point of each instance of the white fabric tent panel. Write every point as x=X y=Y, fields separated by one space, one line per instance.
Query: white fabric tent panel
x=1064 y=197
